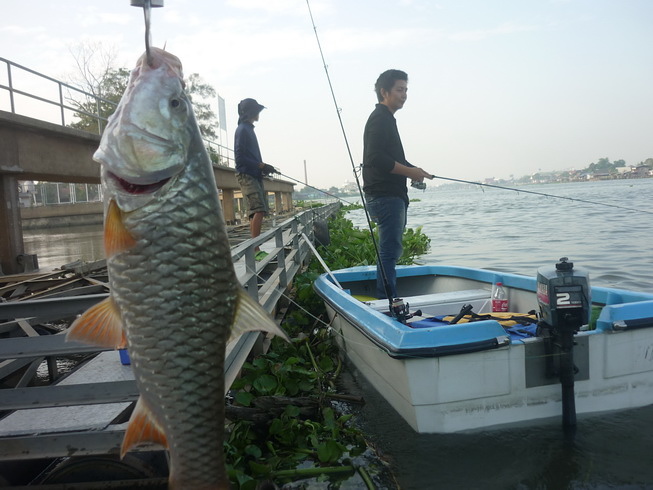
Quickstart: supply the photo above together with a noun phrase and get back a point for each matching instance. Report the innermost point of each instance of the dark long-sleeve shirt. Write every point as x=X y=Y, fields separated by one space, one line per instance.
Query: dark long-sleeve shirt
x=246 y=150
x=381 y=149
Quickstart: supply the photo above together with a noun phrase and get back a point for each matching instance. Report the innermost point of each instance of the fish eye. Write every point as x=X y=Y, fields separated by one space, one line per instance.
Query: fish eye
x=174 y=103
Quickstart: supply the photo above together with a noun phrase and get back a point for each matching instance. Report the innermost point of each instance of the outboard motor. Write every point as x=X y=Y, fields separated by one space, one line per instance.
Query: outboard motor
x=564 y=298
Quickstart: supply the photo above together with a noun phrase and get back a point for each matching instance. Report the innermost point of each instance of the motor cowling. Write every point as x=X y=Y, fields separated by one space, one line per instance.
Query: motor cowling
x=564 y=296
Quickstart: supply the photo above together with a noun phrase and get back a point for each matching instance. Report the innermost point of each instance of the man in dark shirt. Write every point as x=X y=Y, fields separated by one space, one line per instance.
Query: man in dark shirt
x=385 y=170
x=250 y=168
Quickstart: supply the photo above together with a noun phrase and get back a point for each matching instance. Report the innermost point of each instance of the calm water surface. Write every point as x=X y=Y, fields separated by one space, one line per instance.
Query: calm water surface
x=512 y=232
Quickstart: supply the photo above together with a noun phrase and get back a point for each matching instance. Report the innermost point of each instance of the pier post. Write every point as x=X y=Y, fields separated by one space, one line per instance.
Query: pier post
x=228 y=206
x=11 y=246
x=278 y=203
x=287 y=201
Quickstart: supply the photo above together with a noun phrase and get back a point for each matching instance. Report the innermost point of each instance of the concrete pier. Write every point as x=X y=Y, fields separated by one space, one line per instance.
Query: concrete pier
x=31 y=149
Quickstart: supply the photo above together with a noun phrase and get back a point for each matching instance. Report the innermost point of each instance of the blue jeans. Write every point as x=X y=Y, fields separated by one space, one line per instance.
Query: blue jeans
x=389 y=213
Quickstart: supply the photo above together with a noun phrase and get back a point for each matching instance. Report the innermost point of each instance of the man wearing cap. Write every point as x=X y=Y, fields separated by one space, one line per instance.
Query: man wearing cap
x=250 y=168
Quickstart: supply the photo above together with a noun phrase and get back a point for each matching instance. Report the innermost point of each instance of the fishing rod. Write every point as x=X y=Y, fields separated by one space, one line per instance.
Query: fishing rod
x=542 y=194
x=307 y=185
x=386 y=284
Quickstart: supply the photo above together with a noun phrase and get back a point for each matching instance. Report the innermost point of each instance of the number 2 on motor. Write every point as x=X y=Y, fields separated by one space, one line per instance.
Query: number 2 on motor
x=563 y=299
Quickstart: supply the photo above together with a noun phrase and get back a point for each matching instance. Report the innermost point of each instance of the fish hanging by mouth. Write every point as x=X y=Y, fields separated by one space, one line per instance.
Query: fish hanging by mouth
x=175 y=299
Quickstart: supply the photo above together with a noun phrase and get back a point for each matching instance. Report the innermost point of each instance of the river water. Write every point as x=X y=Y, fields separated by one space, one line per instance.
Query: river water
x=512 y=232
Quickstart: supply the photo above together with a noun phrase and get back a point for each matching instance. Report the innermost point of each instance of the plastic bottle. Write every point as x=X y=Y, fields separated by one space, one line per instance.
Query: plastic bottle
x=499 y=298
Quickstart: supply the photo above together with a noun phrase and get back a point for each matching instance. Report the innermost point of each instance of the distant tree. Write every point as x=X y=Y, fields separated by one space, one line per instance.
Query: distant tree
x=103 y=101
x=602 y=166
x=97 y=77
x=619 y=163
x=200 y=93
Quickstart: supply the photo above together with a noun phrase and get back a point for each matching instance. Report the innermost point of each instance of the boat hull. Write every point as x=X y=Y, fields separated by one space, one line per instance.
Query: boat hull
x=441 y=390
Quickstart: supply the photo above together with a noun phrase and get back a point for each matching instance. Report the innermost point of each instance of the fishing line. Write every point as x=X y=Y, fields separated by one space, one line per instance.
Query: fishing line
x=543 y=194
x=384 y=276
x=320 y=190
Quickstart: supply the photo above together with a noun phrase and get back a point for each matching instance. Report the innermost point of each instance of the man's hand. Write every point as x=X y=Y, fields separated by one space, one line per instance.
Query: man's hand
x=268 y=170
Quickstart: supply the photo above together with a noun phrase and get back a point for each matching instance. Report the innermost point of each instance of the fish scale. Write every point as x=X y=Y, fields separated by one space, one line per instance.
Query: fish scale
x=198 y=294
x=175 y=298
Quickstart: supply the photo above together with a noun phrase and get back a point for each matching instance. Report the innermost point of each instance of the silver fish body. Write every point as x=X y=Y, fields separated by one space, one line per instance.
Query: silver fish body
x=173 y=284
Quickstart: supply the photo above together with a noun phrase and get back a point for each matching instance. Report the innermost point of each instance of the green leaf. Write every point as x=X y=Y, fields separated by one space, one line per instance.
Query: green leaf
x=259 y=469
x=265 y=384
x=326 y=364
x=244 y=398
x=329 y=452
x=254 y=451
x=291 y=411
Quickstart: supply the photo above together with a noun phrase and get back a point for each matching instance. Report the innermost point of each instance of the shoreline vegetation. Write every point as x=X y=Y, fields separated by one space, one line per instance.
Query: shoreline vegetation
x=290 y=419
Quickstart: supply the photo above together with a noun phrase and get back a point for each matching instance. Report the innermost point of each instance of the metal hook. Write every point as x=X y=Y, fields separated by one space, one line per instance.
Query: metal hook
x=147 y=8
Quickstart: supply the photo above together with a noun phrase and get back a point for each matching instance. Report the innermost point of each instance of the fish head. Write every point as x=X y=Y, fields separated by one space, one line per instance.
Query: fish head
x=146 y=141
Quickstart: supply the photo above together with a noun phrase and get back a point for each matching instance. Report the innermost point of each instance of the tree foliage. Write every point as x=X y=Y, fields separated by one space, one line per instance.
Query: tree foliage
x=604 y=166
x=102 y=101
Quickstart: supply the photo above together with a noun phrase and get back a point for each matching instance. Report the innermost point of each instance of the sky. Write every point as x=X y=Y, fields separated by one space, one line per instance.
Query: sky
x=496 y=88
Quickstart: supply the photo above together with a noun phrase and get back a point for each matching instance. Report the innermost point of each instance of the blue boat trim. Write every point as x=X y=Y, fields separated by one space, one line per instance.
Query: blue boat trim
x=401 y=341
x=633 y=324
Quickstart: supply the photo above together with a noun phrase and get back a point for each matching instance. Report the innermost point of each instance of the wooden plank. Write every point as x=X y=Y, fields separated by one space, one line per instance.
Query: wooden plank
x=22 y=280
x=52 y=289
x=10 y=366
x=42 y=310
x=27 y=328
x=37 y=446
x=99 y=288
x=104 y=368
x=44 y=345
x=66 y=395
x=13 y=279
x=160 y=483
x=29 y=372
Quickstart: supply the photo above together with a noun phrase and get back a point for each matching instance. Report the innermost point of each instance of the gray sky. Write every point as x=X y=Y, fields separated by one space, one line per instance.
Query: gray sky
x=496 y=88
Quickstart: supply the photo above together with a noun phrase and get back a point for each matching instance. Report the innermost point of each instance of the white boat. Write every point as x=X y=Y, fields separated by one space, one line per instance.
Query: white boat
x=444 y=378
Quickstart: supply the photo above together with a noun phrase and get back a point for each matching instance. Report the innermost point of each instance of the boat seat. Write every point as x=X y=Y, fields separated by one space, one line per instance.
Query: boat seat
x=446 y=303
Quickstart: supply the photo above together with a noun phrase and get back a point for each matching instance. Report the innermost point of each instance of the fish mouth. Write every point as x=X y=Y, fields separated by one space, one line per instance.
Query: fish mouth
x=137 y=189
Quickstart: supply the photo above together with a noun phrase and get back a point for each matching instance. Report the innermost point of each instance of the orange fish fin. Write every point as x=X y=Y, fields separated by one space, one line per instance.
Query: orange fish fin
x=251 y=316
x=99 y=325
x=142 y=428
x=116 y=236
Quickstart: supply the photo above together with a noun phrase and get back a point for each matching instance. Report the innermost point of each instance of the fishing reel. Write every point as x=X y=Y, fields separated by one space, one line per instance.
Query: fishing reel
x=418 y=185
x=401 y=311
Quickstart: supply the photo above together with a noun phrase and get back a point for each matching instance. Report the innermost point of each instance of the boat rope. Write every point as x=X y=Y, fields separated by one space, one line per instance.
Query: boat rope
x=384 y=276
x=542 y=194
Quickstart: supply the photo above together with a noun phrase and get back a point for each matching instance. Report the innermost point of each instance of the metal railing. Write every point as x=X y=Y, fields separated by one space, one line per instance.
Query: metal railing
x=62 y=102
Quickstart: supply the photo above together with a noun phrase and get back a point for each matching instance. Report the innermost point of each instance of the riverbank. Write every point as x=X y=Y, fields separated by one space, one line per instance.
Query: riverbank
x=62 y=215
